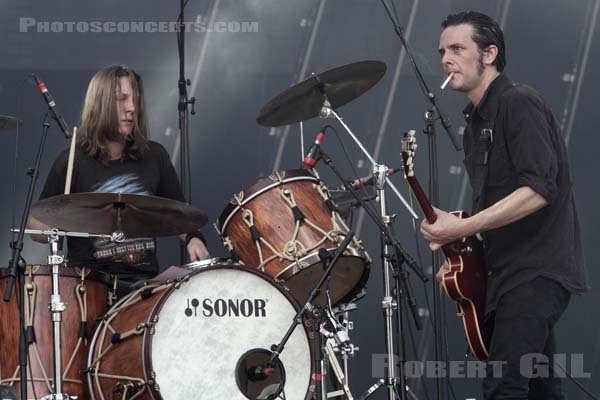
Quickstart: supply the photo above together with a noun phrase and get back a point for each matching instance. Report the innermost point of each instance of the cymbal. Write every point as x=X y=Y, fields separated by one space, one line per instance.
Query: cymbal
x=104 y=213
x=304 y=100
x=8 y=123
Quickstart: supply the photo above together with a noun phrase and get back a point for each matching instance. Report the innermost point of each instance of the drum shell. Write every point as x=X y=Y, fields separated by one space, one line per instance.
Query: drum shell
x=274 y=220
x=97 y=289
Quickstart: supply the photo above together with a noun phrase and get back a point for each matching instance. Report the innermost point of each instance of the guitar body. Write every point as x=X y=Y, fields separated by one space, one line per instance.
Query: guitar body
x=465 y=284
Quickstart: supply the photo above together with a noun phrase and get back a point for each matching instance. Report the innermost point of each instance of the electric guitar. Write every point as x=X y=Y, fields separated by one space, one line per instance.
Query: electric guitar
x=465 y=282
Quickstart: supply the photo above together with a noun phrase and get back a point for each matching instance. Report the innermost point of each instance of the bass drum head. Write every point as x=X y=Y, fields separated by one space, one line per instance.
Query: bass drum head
x=210 y=321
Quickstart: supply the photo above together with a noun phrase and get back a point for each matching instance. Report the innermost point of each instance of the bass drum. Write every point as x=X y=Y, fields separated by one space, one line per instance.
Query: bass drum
x=183 y=339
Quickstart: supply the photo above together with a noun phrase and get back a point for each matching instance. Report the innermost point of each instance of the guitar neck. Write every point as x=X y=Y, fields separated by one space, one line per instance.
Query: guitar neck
x=422 y=199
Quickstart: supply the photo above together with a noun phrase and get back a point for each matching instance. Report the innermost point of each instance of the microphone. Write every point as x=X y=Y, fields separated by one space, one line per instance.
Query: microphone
x=370 y=180
x=52 y=106
x=259 y=373
x=314 y=153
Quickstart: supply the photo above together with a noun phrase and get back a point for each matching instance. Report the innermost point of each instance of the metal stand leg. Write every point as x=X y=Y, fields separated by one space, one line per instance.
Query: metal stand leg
x=389 y=305
x=56 y=308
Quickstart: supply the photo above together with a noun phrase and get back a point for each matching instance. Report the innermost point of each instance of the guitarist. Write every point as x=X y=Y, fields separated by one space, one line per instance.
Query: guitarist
x=523 y=206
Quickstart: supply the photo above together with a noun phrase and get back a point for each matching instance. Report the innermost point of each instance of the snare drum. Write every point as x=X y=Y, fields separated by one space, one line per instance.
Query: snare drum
x=184 y=339
x=280 y=223
x=86 y=295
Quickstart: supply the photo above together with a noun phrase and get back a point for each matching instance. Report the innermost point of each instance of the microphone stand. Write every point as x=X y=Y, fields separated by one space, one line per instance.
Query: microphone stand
x=384 y=222
x=438 y=313
x=432 y=111
x=183 y=110
x=15 y=265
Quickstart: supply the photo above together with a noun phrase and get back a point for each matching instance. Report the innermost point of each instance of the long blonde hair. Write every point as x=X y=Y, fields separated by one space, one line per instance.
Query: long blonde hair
x=99 y=119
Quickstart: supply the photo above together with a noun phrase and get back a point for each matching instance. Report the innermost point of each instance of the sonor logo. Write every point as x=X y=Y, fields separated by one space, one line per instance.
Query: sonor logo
x=226 y=308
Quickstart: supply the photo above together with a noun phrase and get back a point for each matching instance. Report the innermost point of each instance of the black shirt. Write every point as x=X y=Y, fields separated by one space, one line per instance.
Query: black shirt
x=152 y=175
x=512 y=140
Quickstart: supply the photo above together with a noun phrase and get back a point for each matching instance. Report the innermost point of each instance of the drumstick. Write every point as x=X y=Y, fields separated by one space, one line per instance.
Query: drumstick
x=447 y=81
x=70 y=163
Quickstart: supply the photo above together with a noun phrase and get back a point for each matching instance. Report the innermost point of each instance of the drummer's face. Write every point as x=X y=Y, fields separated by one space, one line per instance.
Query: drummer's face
x=125 y=106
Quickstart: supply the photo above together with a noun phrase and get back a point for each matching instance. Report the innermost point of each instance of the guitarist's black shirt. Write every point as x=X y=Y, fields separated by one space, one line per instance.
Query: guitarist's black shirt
x=512 y=140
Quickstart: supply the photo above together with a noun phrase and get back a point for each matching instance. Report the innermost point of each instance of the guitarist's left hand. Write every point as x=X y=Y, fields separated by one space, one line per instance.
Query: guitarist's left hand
x=446 y=229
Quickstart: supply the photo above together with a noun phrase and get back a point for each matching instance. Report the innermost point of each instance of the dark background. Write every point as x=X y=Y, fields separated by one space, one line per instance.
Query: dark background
x=551 y=45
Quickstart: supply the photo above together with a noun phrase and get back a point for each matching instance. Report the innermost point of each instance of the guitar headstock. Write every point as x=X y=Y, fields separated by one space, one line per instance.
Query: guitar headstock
x=409 y=147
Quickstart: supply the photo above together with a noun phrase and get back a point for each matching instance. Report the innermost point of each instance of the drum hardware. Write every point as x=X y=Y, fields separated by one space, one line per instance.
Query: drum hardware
x=375 y=166
x=57 y=307
x=393 y=257
x=341 y=374
x=345 y=203
x=337 y=341
x=273 y=363
x=209 y=262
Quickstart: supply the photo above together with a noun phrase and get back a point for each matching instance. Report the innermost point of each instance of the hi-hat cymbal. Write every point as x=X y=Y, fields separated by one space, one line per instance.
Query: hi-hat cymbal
x=8 y=123
x=304 y=100
x=105 y=213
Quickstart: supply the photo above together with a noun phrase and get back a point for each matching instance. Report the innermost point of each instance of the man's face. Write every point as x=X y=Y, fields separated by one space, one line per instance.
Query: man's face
x=125 y=106
x=461 y=55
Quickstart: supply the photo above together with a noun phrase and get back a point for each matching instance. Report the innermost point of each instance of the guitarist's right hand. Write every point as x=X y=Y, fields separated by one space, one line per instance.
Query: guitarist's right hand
x=443 y=269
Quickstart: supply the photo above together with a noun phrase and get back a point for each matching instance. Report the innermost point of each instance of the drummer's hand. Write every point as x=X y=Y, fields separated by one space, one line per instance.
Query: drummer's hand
x=443 y=269
x=197 y=250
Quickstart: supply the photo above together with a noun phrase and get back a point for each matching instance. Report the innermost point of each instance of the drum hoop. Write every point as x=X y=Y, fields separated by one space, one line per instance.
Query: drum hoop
x=223 y=222
x=147 y=344
x=204 y=264
x=287 y=272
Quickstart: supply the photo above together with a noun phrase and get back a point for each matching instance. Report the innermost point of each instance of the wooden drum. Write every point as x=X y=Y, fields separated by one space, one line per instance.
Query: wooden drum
x=86 y=295
x=280 y=223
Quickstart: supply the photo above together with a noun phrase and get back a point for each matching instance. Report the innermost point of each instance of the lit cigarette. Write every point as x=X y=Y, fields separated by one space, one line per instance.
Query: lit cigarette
x=447 y=81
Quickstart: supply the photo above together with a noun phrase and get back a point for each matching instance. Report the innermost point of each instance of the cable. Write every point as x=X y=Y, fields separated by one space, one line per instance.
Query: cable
x=415 y=351
x=345 y=149
x=579 y=385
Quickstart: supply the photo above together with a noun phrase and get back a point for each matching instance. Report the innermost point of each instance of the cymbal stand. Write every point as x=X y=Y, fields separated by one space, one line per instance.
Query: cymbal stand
x=388 y=304
x=389 y=244
x=328 y=112
x=57 y=307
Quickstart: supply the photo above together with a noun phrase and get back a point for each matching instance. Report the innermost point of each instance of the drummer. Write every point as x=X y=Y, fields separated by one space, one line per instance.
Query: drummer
x=114 y=154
